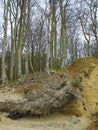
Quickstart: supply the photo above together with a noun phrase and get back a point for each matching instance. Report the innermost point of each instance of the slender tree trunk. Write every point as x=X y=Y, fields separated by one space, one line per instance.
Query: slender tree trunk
x=55 y=33
x=4 y=43
x=15 y=42
x=12 y=47
x=28 y=40
x=86 y=36
x=51 y=37
x=20 y=37
x=63 y=36
x=48 y=46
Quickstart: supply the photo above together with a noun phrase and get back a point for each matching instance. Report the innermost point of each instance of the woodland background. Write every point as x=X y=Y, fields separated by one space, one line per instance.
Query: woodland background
x=40 y=35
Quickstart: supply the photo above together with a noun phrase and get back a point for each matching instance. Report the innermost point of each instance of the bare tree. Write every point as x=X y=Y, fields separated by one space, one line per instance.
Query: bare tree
x=4 y=42
x=20 y=38
x=63 y=35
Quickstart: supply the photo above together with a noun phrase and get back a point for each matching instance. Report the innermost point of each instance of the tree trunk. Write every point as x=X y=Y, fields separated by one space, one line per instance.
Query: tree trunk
x=48 y=46
x=51 y=36
x=4 y=43
x=15 y=42
x=55 y=33
x=12 y=47
x=28 y=40
x=63 y=36
x=20 y=38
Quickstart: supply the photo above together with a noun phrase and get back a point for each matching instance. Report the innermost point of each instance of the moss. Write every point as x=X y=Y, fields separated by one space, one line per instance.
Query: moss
x=76 y=83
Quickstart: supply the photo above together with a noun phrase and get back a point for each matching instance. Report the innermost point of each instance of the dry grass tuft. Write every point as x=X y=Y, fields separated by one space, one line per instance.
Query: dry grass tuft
x=82 y=63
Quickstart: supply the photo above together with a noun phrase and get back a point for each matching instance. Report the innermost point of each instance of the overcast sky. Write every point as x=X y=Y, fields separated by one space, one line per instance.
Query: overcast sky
x=1 y=9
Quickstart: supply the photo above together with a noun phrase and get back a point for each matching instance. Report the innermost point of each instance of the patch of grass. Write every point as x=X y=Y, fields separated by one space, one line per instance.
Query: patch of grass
x=88 y=62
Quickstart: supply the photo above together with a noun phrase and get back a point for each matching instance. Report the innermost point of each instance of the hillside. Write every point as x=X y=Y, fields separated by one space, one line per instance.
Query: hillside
x=85 y=81
x=73 y=92
x=87 y=69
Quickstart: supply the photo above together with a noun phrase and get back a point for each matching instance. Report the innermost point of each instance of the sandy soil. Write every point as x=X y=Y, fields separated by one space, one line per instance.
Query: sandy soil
x=55 y=121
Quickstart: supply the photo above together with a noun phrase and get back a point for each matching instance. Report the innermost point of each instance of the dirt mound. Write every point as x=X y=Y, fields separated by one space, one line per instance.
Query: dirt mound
x=86 y=66
x=45 y=94
x=86 y=89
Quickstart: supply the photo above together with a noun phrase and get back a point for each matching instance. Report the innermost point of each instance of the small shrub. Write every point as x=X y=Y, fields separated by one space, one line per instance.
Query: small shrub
x=76 y=83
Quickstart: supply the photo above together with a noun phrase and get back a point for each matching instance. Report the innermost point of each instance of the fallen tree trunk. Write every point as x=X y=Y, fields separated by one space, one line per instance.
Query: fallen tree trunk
x=46 y=95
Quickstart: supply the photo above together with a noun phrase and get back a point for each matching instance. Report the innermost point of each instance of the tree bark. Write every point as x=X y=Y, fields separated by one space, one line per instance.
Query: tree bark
x=4 y=43
x=20 y=38
x=54 y=33
x=63 y=36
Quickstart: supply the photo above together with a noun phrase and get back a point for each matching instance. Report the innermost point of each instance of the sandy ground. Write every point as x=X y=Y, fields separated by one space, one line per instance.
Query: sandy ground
x=55 y=121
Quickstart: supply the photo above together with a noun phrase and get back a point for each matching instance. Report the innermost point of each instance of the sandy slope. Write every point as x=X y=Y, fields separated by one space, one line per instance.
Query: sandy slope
x=56 y=121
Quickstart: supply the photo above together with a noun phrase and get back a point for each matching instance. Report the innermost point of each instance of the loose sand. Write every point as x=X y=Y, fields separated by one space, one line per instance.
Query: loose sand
x=55 y=121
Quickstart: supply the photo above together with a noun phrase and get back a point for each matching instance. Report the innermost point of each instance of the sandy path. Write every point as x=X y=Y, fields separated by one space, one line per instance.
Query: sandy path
x=56 y=121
